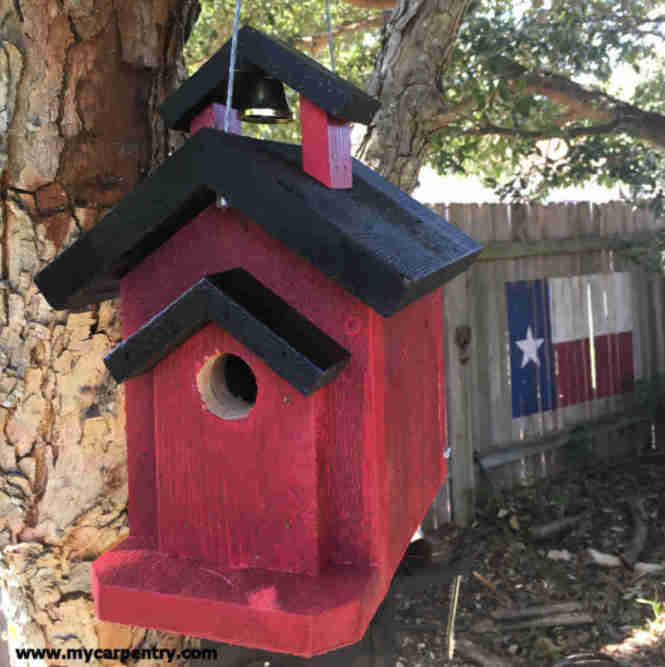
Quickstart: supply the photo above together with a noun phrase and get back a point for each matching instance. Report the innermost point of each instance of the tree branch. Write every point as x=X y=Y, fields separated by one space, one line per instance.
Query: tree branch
x=452 y=113
x=318 y=42
x=591 y=104
x=372 y=4
x=563 y=133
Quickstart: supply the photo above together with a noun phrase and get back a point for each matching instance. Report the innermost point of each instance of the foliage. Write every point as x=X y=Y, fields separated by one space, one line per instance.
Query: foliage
x=650 y=396
x=579 y=446
x=649 y=253
x=517 y=135
x=657 y=605
x=527 y=92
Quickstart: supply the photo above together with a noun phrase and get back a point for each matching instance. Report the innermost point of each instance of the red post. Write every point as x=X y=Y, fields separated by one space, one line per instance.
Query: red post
x=326 y=146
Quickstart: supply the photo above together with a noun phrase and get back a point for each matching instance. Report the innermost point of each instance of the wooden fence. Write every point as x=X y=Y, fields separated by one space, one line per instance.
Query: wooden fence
x=587 y=288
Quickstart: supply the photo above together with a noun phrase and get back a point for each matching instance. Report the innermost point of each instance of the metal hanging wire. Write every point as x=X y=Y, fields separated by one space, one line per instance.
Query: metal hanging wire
x=234 y=52
x=232 y=66
x=331 y=45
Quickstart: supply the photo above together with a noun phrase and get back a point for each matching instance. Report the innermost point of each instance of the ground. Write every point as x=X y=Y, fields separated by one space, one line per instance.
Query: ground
x=515 y=570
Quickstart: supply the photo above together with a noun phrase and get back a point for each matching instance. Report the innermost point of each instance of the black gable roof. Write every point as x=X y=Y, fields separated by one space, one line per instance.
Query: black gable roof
x=290 y=344
x=327 y=90
x=373 y=239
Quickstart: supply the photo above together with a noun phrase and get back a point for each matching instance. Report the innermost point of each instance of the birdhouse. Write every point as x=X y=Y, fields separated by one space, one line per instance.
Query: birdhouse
x=282 y=358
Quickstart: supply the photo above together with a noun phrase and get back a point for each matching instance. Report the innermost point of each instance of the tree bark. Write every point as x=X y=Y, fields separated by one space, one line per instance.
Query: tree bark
x=416 y=49
x=79 y=81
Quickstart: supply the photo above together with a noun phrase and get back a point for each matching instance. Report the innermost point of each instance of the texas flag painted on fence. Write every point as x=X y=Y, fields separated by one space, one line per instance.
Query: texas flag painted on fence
x=571 y=340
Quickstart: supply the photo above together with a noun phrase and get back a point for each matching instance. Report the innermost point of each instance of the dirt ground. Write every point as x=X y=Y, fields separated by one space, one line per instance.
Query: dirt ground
x=621 y=612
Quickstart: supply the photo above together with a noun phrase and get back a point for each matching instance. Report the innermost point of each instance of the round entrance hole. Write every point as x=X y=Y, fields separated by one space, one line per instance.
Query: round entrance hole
x=227 y=386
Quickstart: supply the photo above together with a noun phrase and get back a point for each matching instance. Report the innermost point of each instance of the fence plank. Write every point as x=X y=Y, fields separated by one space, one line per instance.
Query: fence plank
x=457 y=315
x=500 y=406
x=647 y=319
x=655 y=283
x=482 y=330
x=658 y=300
x=501 y=250
x=458 y=399
x=639 y=325
x=551 y=224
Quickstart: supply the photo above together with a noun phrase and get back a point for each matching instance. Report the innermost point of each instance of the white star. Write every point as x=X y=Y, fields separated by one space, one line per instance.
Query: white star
x=529 y=347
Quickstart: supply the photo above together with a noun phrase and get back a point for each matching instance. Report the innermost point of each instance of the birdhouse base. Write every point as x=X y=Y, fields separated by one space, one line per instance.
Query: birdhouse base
x=304 y=615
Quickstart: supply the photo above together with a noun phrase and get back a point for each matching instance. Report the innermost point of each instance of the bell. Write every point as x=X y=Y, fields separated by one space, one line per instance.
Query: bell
x=263 y=101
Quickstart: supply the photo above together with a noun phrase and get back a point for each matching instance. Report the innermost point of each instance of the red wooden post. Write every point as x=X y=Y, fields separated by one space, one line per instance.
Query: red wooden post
x=326 y=146
x=213 y=116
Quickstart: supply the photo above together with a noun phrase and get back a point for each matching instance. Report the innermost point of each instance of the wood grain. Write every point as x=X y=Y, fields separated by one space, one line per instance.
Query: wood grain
x=326 y=146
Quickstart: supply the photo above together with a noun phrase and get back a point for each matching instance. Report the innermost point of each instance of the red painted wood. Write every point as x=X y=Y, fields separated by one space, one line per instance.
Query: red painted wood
x=239 y=493
x=214 y=242
x=326 y=146
x=139 y=431
x=213 y=116
x=352 y=468
x=614 y=364
x=613 y=358
x=573 y=368
x=134 y=584
x=415 y=429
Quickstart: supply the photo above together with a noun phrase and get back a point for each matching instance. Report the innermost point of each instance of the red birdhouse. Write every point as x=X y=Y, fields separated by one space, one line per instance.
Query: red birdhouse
x=283 y=368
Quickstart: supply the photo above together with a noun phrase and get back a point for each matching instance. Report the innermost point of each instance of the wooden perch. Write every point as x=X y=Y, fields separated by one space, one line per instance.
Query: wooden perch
x=640 y=532
x=535 y=611
x=556 y=527
x=479 y=656
x=578 y=618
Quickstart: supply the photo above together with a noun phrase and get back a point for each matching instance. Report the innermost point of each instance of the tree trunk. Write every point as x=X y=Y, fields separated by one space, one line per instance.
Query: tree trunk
x=79 y=82
x=416 y=49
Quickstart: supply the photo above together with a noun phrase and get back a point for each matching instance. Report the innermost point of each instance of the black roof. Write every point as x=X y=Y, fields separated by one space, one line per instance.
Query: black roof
x=376 y=241
x=327 y=90
x=289 y=343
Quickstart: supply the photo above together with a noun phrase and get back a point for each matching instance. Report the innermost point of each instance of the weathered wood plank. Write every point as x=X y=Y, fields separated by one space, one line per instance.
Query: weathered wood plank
x=639 y=328
x=440 y=511
x=503 y=250
x=483 y=328
x=646 y=317
x=459 y=344
x=552 y=222
x=498 y=339
x=516 y=451
x=658 y=301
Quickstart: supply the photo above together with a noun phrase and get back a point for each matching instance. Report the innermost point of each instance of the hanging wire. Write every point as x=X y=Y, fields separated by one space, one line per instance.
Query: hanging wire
x=331 y=46
x=232 y=66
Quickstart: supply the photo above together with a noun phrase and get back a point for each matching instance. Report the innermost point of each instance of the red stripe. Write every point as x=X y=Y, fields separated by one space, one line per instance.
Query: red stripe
x=614 y=364
x=613 y=355
x=573 y=372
